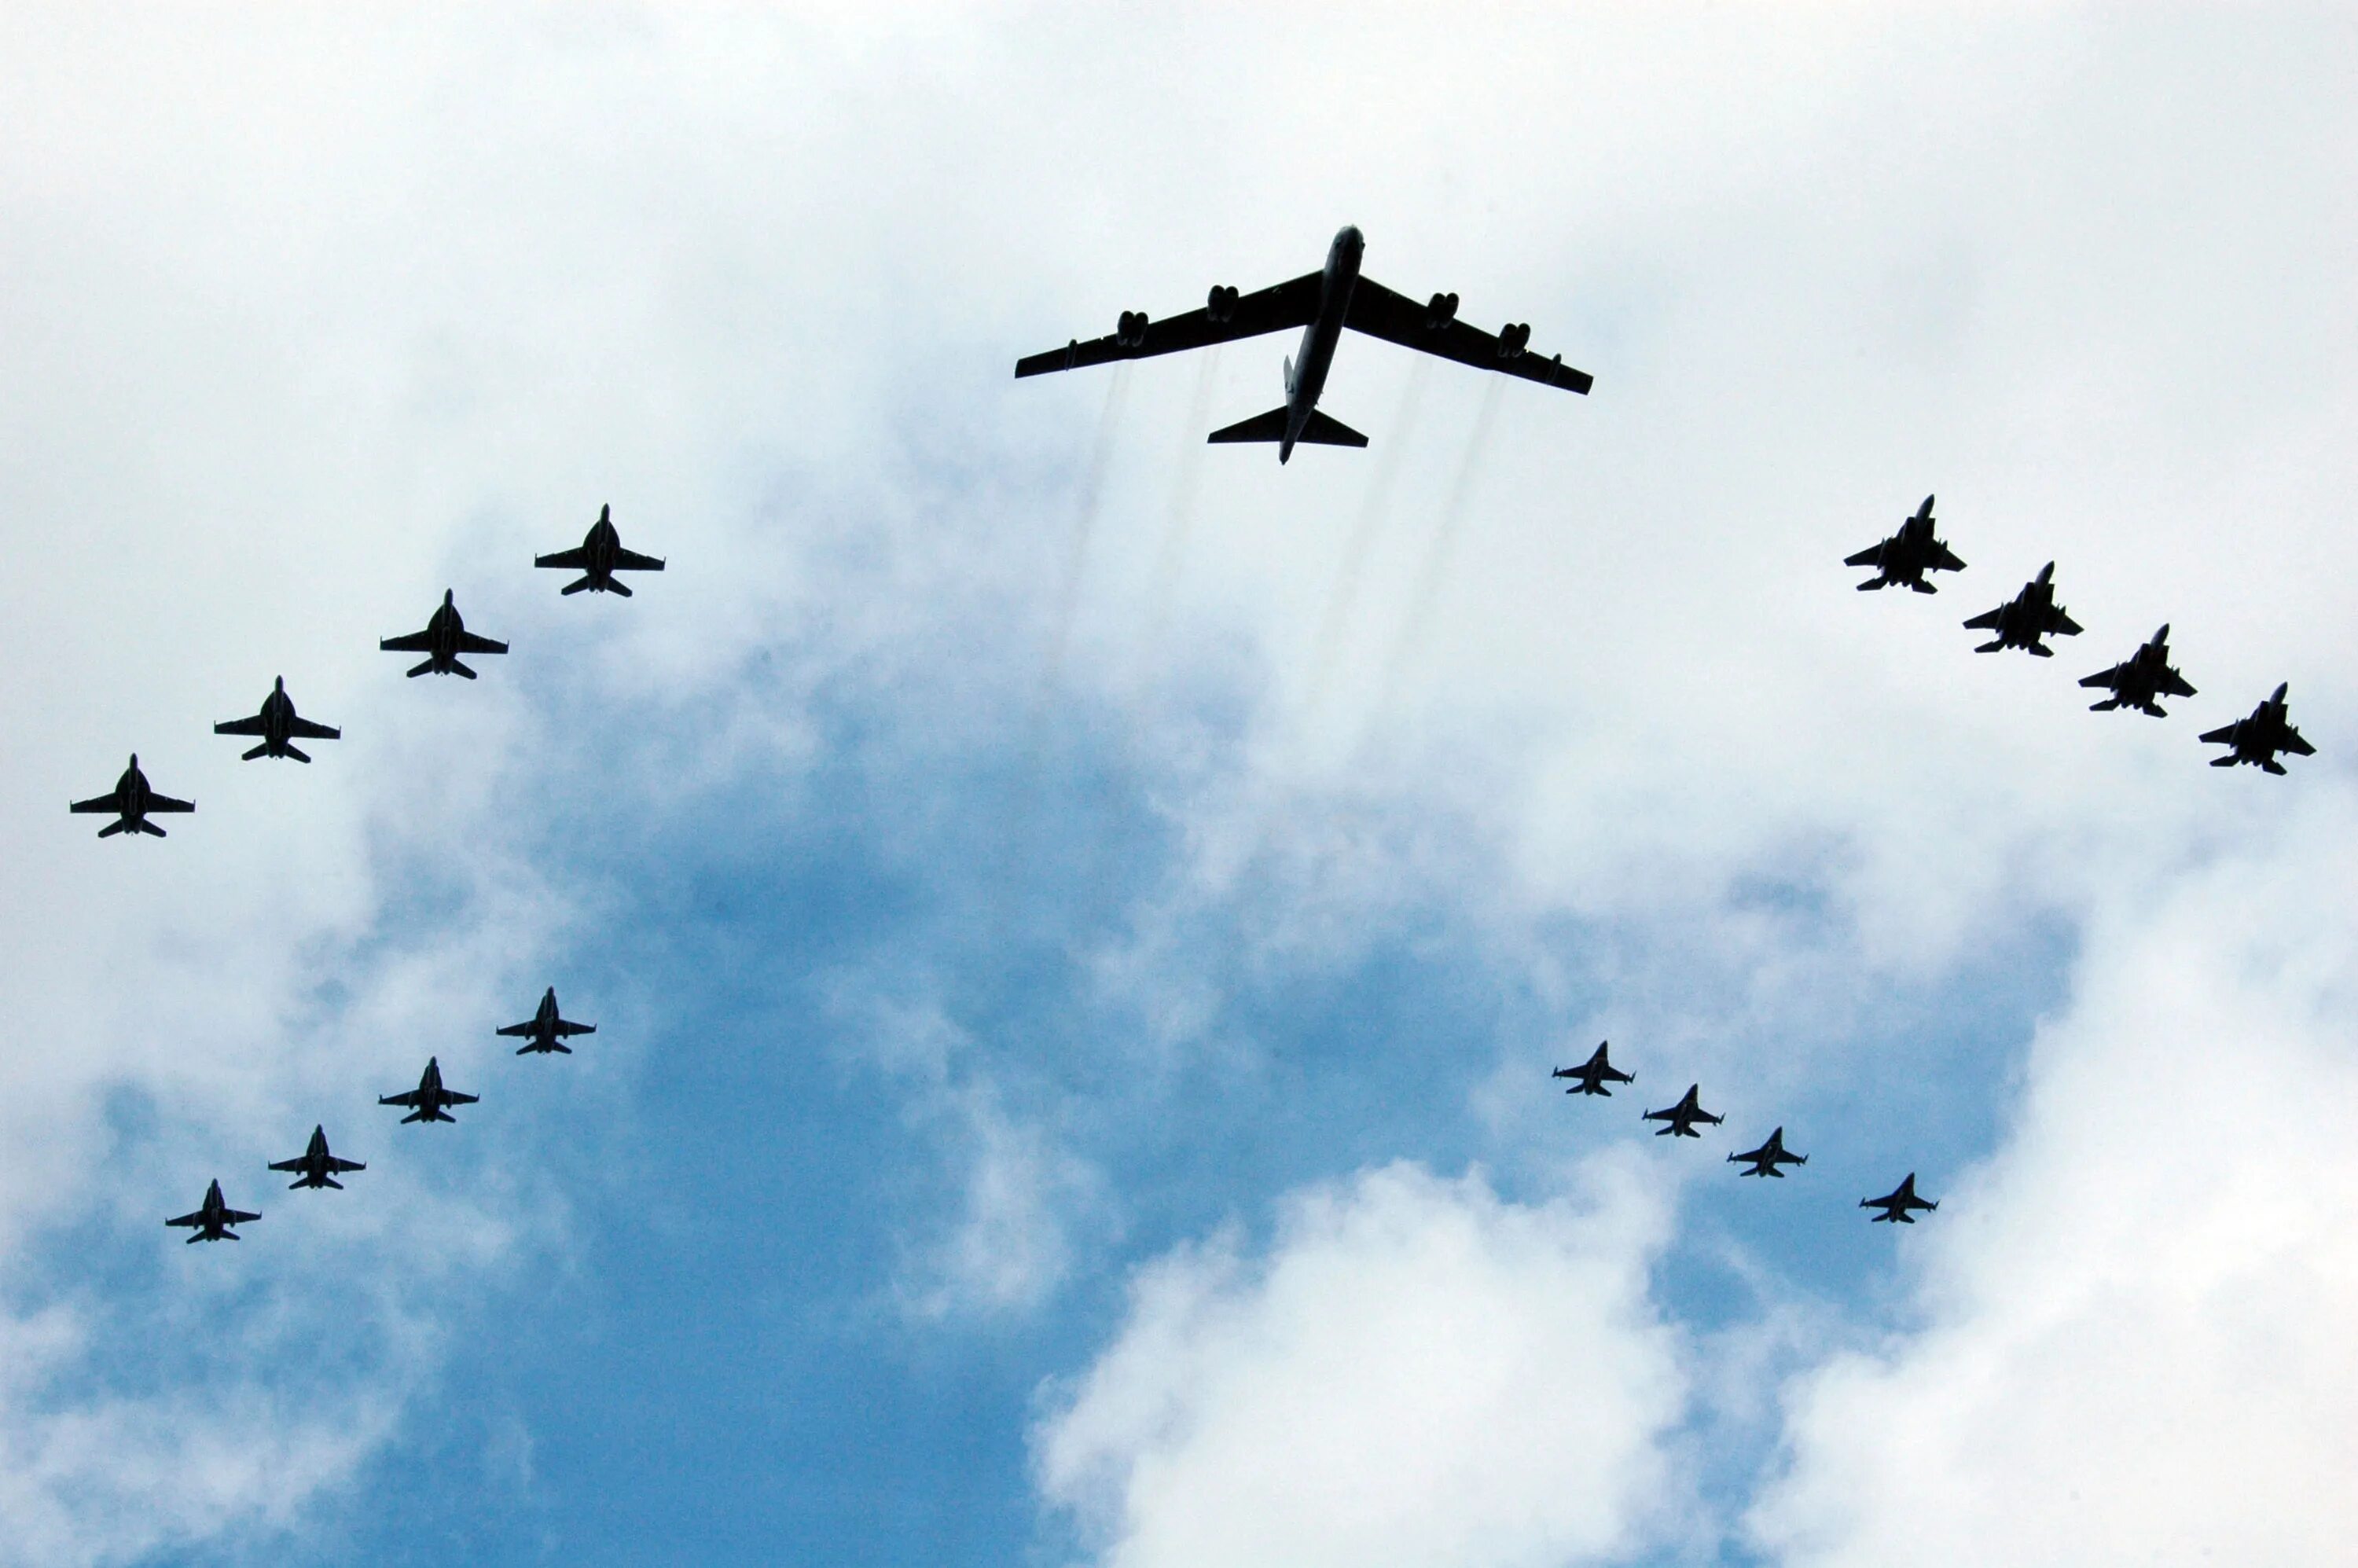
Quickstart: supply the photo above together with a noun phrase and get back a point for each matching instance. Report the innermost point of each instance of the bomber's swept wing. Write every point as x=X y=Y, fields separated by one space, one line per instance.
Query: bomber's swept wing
x=1434 y=328
x=1273 y=309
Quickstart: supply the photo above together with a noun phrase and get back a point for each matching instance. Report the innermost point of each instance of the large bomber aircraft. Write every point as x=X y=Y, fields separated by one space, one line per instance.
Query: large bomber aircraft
x=2141 y=680
x=130 y=803
x=1898 y=1203
x=1591 y=1076
x=213 y=1219
x=546 y=1030
x=1322 y=304
x=2256 y=739
x=428 y=1100
x=1681 y=1117
x=444 y=638
x=277 y=726
x=1765 y=1159
x=1902 y=560
x=599 y=558
x=319 y=1167
x=2026 y=618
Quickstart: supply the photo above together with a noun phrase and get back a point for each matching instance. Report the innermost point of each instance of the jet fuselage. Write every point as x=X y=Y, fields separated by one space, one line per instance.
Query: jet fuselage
x=1305 y=373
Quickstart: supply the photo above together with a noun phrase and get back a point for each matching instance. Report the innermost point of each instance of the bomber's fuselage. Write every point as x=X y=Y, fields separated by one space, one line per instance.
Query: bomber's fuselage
x=1306 y=377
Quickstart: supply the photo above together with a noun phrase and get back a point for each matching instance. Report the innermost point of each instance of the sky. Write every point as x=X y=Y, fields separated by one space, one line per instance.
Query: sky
x=1078 y=922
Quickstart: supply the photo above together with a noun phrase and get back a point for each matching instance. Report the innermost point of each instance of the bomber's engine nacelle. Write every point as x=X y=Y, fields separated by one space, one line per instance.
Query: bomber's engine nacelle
x=1130 y=331
x=1221 y=304
x=1513 y=340
x=1439 y=311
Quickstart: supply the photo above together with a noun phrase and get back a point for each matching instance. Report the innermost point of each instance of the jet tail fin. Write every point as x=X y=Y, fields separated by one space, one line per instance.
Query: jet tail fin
x=425 y=668
x=1269 y=427
x=144 y=826
x=574 y=587
x=261 y=751
x=1324 y=431
x=112 y=829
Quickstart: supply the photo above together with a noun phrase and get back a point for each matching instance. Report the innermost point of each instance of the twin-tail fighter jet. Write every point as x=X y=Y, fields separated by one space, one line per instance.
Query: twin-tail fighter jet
x=546 y=1030
x=319 y=1167
x=2021 y=621
x=2141 y=680
x=1681 y=1117
x=444 y=638
x=130 y=803
x=599 y=558
x=1902 y=560
x=211 y=1222
x=1591 y=1076
x=278 y=726
x=2256 y=739
x=1322 y=304
x=429 y=1100
x=1765 y=1159
x=1900 y=1204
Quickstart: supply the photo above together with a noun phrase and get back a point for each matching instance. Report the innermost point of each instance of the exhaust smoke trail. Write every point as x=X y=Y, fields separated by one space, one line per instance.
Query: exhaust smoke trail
x=1068 y=599
x=1328 y=645
x=1172 y=554
x=1434 y=570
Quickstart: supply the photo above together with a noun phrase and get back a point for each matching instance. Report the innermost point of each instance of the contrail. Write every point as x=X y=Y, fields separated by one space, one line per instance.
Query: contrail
x=1069 y=600
x=1173 y=555
x=1434 y=569
x=1361 y=542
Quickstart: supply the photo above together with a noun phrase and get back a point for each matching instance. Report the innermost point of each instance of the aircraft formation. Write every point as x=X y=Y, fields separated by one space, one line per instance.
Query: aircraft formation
x=277 y=727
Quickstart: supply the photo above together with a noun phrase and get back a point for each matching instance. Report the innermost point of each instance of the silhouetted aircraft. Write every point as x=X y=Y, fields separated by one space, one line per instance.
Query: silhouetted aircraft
x=130 y=803
x=319 y=1167
x=1765 y=1159
x=212 y=1221
x=1897 y=1204
x=2026 y=618
x=1682 y=1116
x=278 y=725
x=428 y=1098
x=444 y=638
x=545 y=1031
x=2142 y=679
x=1591 y=1076
x=1902 y=560
x=2256 y=739
x=1323 y=304
x=599 y=558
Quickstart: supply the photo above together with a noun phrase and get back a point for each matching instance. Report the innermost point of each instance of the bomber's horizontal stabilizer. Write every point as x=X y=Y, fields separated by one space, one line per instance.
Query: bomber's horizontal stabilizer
x=1324 y=431
x=1269 y=427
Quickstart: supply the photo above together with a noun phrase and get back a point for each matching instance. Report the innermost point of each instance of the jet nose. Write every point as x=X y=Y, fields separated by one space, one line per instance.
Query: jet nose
x=279 y=685
x=2047 y=572
x=448 y=594
x=1351 y=240
x=2280 y=692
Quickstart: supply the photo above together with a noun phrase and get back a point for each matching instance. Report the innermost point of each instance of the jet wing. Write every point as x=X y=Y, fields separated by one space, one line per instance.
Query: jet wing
x=631 y=561
x=237 y=1216
x=191 y=1220
x=293 y=1165
x=336 y=1163
x=240 y=727
x=165 y=803
x=1273 y=309
x=1379 y=312
x=564 y=1028
x=1871 y=556
x=416 y=642
x=518 y=1031
x=110 y=803
x=452 y=1097
x=410 y=1097
x=470 y=643
x=572 y=561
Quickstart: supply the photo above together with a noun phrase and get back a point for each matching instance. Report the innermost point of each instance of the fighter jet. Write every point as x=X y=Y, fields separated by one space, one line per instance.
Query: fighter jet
x=1591 y=1076
x=545 y=1031
x=1765 y=1159
x=1681 y=1117
x=599 y=558
x=1322 y=304
x=2026 y=618
x=212 y=1221
x=1902 y=560
x=444 y=638
x=428 y=1098
x=2256 y=739
x=279 y=726
x=1897 y=1204
x=319 y=1167
x=131 y=803
x=2141 y=680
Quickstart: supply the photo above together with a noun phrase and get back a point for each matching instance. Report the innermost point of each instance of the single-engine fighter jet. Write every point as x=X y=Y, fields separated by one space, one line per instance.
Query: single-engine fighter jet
x=2256 y=739
x=2026 y=618
x=1902 y=560
x=212 y=1221
x=544 y=1030
x=1322 y=304
x=319 y=1167
x=1765 y=1159
x=599 y=558
x=1898 y=1202
x=130 y=803
x=428 y=1098
x=279 y=726
x=1591 y=1076
x=1682 y=1116
x=444 y=638
x=2141 y=680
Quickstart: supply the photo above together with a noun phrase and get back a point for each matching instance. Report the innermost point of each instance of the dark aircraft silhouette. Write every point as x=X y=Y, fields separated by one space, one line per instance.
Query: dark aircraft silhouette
x=130 y=803
x=1323 y=304
x=2256 y=739
x=1591 y=1076
x=545 y=1031
x=2026 y=618
x=444 y=638
x=1765 y=1159
x=212 y=1221
x=319 y=1167
x=428 y=1098
x=278 y=725
x=1902 y=560
x=1897 y=1204
x=1681 y=1117
x=599 y=558
x=2141 y=680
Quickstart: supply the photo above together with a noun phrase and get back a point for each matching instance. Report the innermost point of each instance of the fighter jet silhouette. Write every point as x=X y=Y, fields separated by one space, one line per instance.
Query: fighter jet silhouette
x=545 y=1031
x=1765 y=1159
x=2141 y=680
x=211 y=1221
x=599 y=558
x=319 y=1167
x=428 y=1099
x=1591 y=1076
x=1902 y=560
x=131 y=802
x=444 y=638
x=278 y=725
x=2026 y=618
x=1897 y=1203
x=1681 y=1117
x=2256 y=739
